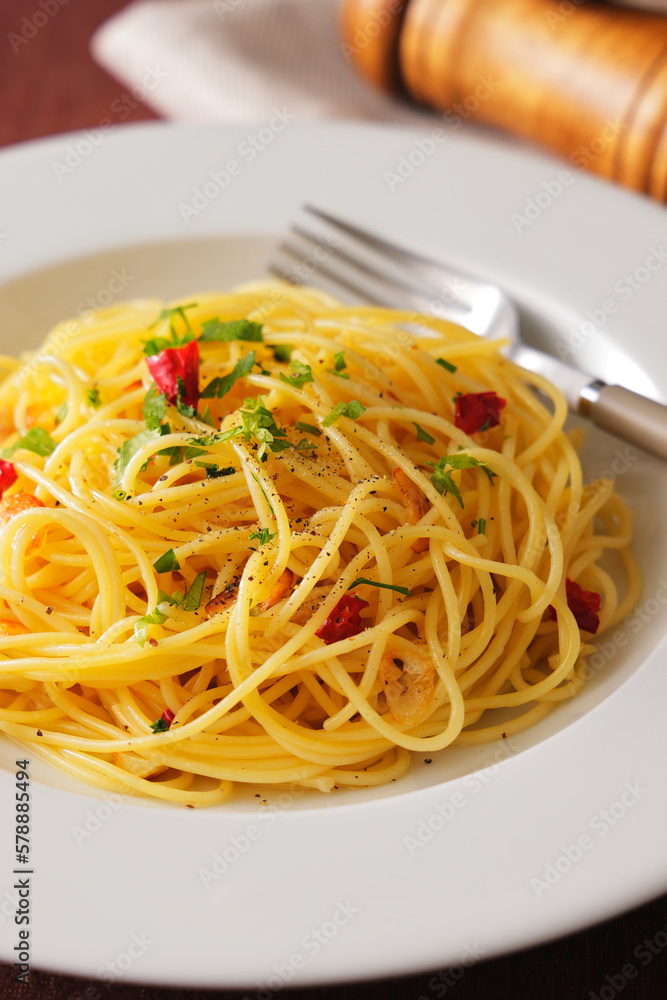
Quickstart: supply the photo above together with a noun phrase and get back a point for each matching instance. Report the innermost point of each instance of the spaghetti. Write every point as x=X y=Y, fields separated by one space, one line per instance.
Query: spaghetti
x=262 y=537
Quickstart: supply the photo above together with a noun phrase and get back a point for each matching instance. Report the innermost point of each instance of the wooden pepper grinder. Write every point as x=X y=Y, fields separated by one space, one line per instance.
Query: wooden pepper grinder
x=586 y=79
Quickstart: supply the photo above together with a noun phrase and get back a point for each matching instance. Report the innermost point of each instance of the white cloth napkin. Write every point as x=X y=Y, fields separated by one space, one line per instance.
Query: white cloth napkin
x=234 y=60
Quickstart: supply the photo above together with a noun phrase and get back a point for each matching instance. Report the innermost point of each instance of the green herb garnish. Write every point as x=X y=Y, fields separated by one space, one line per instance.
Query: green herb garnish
x=264 y=536
x=93 y=397
x=301 y=374
x=339 y=365
x=353 y=409
x=219 y=387
x=258 y=422
x=141 y=627
x=385 y=586
x=424 y=436
x=215 y=472
x=167 y=562
x=37 y=440
x=443 y=481
x=194 y=594
x=445 y=364
x=308 y=428
x=235 y=329
x=129 y=449
x=155 y=408
x=282 y=352
x=157 y=344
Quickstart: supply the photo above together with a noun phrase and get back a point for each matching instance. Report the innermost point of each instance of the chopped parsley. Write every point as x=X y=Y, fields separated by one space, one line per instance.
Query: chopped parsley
x=235 y=329
x=445 y=364
x=141 y=627
x=155 y=408
x=264 y=536
x=481 y=526
x=167 y=562
x=214 y=471
x=339 y=365
x=180 y=453
x=185 y=409
x=128 y=450
x=353 y=409
x=308 y=428
x=282 y=352
x=157 y=344
x=424 y=436
x=207 y=417
x=37 y=440
x=219 y=387
x=190 y=600
x=443 y=481
x=193 y=596
x=160 y=725
x=258 y=422
x=301 y=374
x=93 y=397
x=385 y=586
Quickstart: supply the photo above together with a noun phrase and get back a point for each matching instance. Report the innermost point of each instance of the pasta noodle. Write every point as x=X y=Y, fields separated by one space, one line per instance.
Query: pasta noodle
x=261 y=537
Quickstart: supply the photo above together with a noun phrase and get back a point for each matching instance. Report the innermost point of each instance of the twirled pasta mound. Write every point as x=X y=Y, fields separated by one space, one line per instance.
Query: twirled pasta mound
x=262 y=537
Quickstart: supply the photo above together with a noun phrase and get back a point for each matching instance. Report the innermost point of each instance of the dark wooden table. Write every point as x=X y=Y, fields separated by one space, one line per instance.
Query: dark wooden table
x=50 y=84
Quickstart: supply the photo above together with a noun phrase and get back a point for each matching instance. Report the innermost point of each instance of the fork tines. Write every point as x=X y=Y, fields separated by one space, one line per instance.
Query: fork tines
x=359 y=266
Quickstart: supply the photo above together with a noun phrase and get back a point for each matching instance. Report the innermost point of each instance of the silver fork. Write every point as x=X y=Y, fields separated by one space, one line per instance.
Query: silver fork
x=358 y=266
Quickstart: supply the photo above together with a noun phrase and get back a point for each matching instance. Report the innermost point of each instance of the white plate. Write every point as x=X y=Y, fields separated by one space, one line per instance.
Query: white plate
x=484 y=850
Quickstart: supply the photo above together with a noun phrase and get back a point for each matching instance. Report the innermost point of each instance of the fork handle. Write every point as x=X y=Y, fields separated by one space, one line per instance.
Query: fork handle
x=587 y=80
x=630 y=416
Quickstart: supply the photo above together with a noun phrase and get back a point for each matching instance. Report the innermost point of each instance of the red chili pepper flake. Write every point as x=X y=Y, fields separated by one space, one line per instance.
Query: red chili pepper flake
x=344 y=621
x=477 y=411
x=584 y=605
x=8 y=475
x=168 y=716
x=176 y=363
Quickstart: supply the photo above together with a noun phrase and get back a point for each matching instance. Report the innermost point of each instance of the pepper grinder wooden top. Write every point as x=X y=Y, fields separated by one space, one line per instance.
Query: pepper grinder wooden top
x=583 y=78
